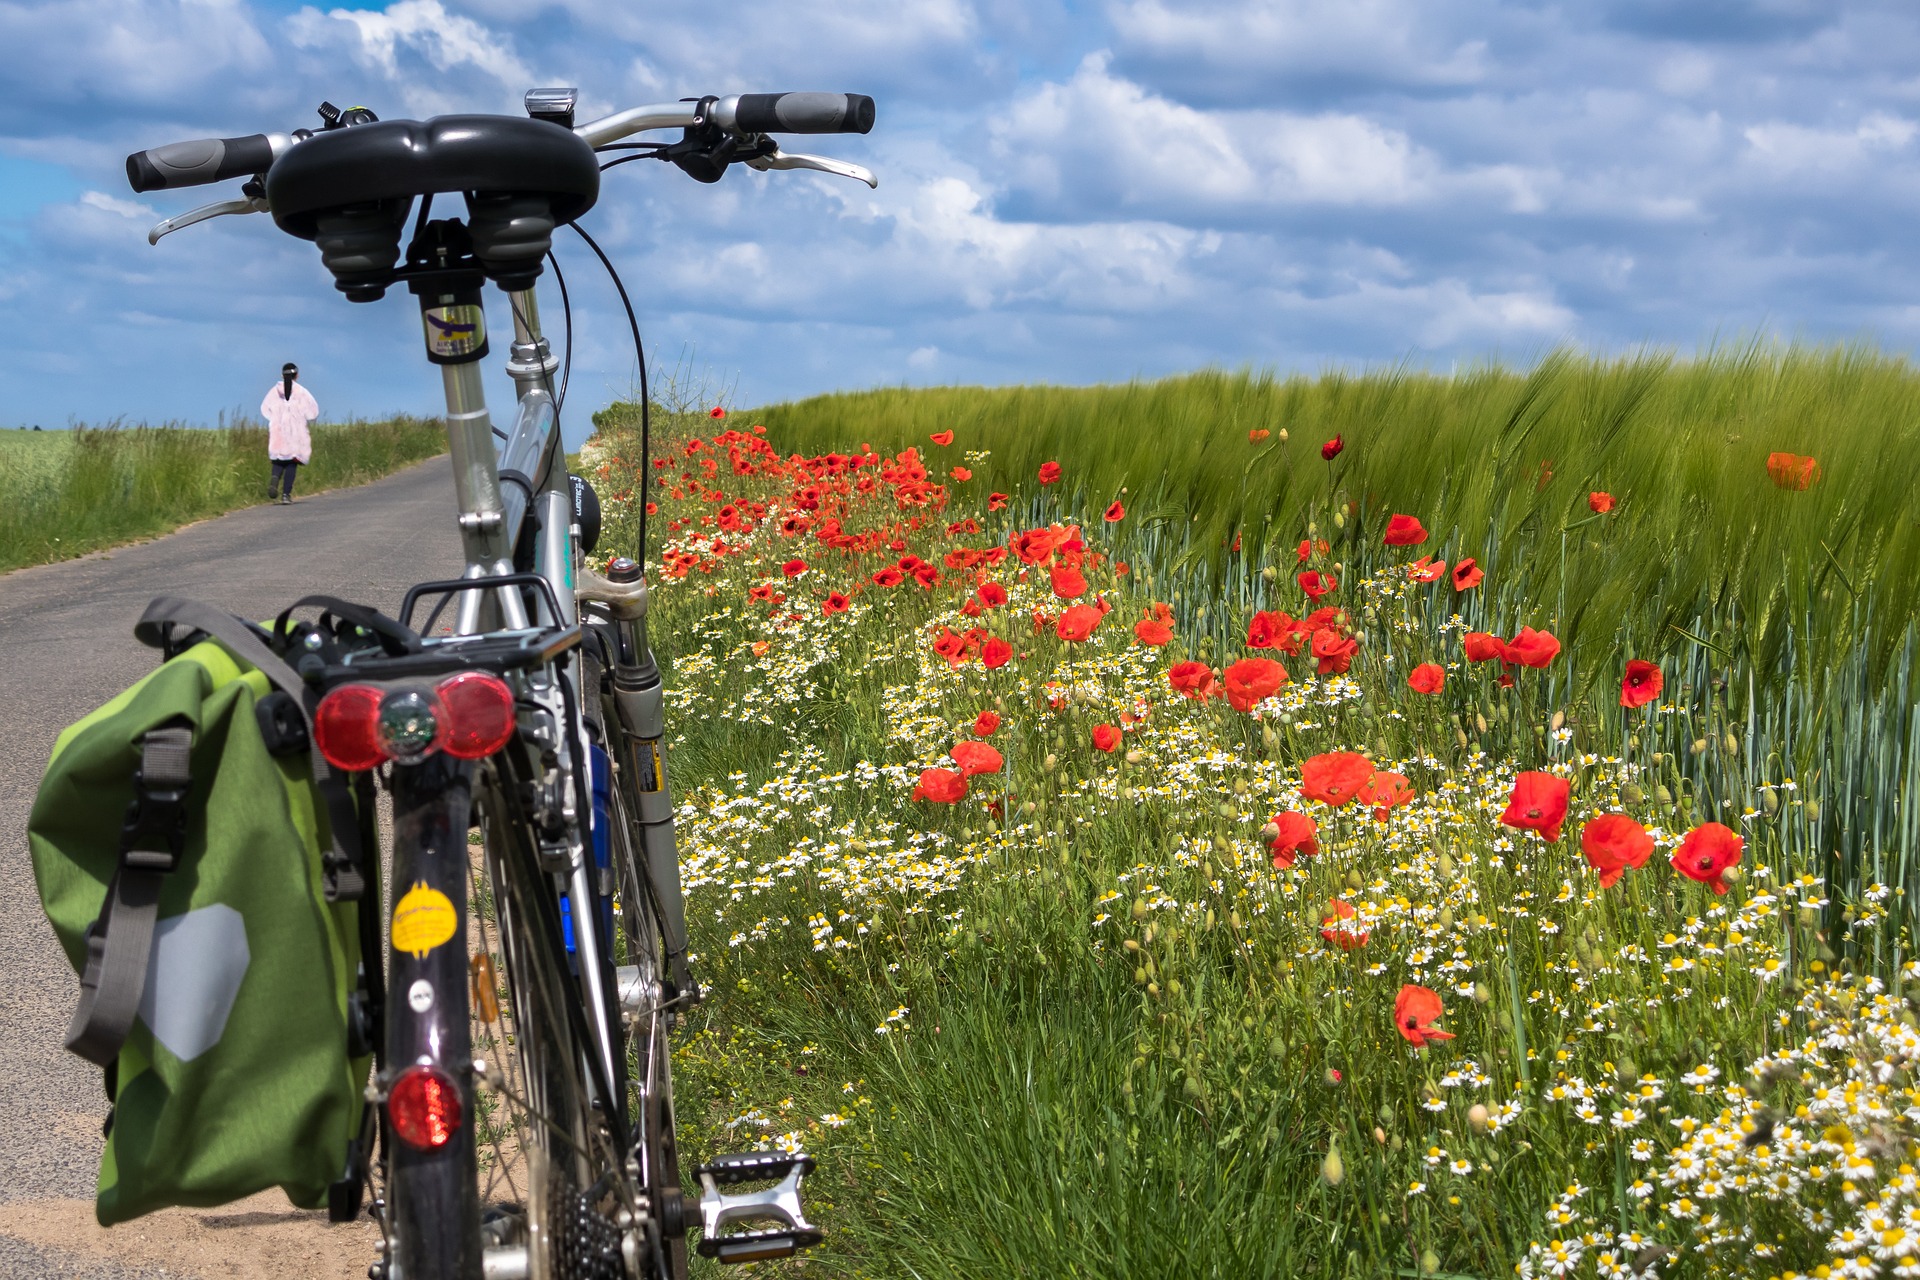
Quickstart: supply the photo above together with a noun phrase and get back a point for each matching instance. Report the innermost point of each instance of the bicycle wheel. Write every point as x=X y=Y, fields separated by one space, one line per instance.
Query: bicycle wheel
x=552 y=1169
x=648 y=1019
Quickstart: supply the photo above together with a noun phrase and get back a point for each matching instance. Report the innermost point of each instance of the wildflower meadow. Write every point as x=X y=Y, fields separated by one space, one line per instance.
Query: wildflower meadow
x=1355 y=833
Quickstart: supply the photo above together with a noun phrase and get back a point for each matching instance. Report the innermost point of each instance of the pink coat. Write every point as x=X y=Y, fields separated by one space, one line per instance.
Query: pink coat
x=287 y=421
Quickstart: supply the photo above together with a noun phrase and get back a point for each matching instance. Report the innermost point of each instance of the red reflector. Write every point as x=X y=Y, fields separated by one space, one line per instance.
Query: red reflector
x=424 y=1105
x=346 y=724
x=480 y=716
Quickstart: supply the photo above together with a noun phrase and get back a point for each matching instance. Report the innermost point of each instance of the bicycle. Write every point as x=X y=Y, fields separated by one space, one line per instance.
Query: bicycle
x=536 y=715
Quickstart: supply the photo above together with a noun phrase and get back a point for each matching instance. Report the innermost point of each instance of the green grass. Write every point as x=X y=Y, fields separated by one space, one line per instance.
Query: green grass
x=65 y=493
x=1157 y=1094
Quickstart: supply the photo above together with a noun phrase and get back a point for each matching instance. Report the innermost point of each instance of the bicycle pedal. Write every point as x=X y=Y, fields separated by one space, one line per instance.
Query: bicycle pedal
x=778 y=1204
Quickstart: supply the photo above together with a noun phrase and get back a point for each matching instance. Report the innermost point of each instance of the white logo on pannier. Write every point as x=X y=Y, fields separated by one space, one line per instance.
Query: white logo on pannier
x=193 y=977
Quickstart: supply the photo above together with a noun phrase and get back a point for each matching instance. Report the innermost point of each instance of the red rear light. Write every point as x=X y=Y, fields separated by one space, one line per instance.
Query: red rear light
x=424 y=1105
x=346 y=726
x=480 y=716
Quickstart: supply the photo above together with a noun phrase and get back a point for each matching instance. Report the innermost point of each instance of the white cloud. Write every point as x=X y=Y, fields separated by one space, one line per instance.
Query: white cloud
x=115 y=205
x=1788 y=148
x=379 y=40
x=1400 y=42
x=1100 y=139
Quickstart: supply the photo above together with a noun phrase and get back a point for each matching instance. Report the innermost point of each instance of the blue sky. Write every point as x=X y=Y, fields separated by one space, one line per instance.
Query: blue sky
x=1069 y=192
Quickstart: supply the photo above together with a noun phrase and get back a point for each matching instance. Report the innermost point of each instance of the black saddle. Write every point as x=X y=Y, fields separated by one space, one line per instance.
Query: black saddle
x=349 y=190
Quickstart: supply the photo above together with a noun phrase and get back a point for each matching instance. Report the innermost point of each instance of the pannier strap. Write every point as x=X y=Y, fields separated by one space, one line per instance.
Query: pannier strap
x=120 y=941
x=342 y=877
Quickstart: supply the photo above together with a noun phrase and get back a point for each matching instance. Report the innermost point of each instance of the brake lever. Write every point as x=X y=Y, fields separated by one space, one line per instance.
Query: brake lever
x=779 y=159
x=249 y=204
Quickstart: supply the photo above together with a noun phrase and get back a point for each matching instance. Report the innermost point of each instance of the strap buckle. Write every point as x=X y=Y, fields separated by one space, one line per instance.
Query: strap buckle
x=154 y=833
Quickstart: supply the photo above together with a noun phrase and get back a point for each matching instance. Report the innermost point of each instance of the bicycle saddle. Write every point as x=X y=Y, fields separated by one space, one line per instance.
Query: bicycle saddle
x=349 y=190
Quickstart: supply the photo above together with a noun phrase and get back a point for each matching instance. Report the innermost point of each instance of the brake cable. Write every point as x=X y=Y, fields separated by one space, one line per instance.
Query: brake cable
x=646 y=396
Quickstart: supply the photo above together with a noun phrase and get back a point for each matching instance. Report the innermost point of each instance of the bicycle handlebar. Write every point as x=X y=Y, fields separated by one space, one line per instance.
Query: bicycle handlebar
x=195 y=164
x=795 y=113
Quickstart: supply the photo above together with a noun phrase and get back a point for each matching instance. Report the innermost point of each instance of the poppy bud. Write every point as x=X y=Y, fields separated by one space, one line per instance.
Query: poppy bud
x=1052 y=761
x=1269 y=573
x=1135 y=756
x=1559 y=721
x=1445 y=866
x=1153 y=988
x=1460 y=738
x=1140 y=974
x=1480 y=722
x=1226 y=809
x=1632 y=794
x=1429 y=1262
x=1813 y=810
x=1131 y=945
x=1482 y=993
x=1354 y=881
x=1699 y=746
x=1663 y=796
x=1269 y=833
x=1446 y=918
x=1283 y=435
x=1173 y=986
x=1770 y=801
x=1233 y=918
x=1731 y=874
x=1332 y=1168
x=1730 y=744
x=1339 y=519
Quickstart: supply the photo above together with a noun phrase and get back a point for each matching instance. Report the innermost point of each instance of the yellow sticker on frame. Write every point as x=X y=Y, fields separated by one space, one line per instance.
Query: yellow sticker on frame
x=422 y=920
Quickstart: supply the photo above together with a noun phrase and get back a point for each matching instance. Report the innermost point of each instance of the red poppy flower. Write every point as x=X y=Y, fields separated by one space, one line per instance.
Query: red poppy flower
x=995 y=653
x=1068 y=582
x=889 y=577
x=1152 y=631
x=1105 y=737
x=1317 y=584
x=1538 y=803
x=1405 y=531
x=1428 y=677
x=1427 y=569
x=976 y=757
x=1258 y=434
x=1192 y=680
x=1333 y=652
x=1415 y=1010
x=1252 y=679
x=1466 y=575
x=1481 y=647
x=794 y=568
x=986 y=724
x=1078 y=622
x=1266 y=628
x=1792 y=470
x=1115 y=512
x=996 y=502
x=1641 y=685
x=1297 y=835
x=1600 y=502
x=961 y=473
x=1305 y=549
x=834 y=603
x=716 y=413
x=1705 y=854
x=1385 y=791
x=1331 y=449
x=1613 y=842
x=1337 y=932
x=942 y=438
x=1335 y=777
x=1531 y=648
x=1049 y=472
x=992 y=594
x=942 y=786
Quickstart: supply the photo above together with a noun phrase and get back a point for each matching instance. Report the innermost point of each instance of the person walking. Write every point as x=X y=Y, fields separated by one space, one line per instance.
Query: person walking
x=288 y=408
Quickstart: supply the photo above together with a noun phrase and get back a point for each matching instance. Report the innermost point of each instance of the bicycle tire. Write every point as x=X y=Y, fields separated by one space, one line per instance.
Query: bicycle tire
x=649 y=1054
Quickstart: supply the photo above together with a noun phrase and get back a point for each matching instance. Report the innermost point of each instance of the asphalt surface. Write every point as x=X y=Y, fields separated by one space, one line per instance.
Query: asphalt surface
x=66 y=646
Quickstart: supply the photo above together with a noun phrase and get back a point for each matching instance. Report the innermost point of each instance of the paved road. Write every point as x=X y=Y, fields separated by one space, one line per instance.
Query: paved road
x=66 y=645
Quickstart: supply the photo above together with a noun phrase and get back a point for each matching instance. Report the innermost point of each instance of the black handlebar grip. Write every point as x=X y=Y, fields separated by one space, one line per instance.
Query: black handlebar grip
x=193 y=164
x=804 y=113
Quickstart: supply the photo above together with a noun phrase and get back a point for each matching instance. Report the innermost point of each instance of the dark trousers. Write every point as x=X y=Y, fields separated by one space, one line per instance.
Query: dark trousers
x=282 y=480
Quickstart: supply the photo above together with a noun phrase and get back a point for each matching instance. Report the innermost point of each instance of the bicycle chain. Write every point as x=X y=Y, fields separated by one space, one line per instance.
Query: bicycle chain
x=586 y=1246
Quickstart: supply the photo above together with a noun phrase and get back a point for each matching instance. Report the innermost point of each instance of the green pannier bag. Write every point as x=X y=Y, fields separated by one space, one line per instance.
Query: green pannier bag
x=184 y=844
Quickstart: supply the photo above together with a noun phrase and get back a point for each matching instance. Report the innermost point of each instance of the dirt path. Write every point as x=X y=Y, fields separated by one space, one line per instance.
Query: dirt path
x=66 y=633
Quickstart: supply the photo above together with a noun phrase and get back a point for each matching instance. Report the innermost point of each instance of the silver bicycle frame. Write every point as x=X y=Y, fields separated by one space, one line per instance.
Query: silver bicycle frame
x=491 y=516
